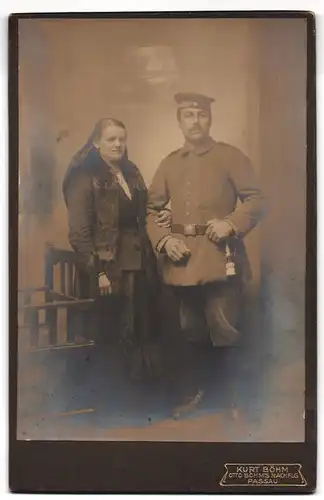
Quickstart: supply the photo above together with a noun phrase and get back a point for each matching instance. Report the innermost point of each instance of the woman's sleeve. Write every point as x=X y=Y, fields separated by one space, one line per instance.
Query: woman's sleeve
x=79 y=200
x=142 y=200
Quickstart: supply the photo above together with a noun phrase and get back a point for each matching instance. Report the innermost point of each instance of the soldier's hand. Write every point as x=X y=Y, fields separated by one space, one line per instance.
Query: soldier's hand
x=218 y=230
x=164 y=218
x=105 y=286
x=176 y=249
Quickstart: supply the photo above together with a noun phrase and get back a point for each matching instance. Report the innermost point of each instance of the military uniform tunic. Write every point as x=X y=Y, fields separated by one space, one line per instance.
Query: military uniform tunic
x=214 y=180
x=203 y=184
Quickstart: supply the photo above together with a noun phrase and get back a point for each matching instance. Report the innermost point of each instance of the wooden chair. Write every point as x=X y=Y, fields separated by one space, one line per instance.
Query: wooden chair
x=53 y=302
x=40 y=330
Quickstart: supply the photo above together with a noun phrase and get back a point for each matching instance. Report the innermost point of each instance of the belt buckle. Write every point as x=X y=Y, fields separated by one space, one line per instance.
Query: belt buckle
x=189 y=230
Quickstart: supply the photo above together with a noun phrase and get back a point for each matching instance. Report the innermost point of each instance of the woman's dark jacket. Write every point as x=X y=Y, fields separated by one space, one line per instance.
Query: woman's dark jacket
x=106 y=228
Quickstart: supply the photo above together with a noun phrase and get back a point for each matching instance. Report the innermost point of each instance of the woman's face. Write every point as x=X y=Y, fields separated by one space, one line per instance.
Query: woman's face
x=112 y=143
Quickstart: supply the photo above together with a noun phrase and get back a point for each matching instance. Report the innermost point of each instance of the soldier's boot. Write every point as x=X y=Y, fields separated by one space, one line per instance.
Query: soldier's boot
x=189 y=406
x=191 y=381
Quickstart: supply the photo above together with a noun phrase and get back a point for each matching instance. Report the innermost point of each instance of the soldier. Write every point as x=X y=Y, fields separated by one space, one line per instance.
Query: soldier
x=204 y=180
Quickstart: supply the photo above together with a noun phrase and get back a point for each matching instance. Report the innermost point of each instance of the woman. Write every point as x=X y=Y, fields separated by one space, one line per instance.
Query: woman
x=105 y=197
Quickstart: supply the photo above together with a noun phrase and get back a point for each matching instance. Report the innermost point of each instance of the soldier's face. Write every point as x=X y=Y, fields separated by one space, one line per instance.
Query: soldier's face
x=195 y=123
x=112 y=143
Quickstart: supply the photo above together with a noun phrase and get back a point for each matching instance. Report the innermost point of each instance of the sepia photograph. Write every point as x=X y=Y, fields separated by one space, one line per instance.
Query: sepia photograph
x=162 y=229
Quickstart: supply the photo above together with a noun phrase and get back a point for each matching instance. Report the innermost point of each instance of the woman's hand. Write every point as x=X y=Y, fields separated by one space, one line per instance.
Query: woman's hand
x=164 y=218
x=105 y=286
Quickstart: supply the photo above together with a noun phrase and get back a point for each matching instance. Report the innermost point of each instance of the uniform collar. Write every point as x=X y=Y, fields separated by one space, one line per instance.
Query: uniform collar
x=200 y=149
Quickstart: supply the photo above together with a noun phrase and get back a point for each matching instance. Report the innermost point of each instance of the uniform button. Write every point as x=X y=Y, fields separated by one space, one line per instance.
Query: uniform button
x=187 y=213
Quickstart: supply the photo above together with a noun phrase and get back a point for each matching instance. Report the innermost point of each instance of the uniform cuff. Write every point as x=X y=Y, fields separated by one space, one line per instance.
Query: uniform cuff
x=161 y=243
x=235 y=231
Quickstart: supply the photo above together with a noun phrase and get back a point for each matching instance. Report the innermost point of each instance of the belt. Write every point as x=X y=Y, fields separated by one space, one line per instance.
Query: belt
x=189 y=229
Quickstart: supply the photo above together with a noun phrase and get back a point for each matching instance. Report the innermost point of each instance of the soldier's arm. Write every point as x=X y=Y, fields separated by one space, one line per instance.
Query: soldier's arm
x=252 y=208
x=79 y=200
x=158 y=198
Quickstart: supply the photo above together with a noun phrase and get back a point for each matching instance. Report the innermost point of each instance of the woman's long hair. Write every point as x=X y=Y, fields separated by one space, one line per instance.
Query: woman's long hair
x=81 y=156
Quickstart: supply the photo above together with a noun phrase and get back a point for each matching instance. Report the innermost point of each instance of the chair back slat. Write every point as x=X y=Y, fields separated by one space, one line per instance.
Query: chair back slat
x=70 y=279
x=62 y=277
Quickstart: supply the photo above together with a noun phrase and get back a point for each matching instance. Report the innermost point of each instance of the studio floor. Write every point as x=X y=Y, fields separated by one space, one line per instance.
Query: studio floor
x=259 y=401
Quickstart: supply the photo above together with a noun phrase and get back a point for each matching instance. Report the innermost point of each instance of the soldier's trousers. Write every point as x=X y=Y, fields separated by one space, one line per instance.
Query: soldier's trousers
x=211 y=312
x=209 y=316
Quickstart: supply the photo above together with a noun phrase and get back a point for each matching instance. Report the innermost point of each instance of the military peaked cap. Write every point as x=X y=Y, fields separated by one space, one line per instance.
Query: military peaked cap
x=193 y=100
